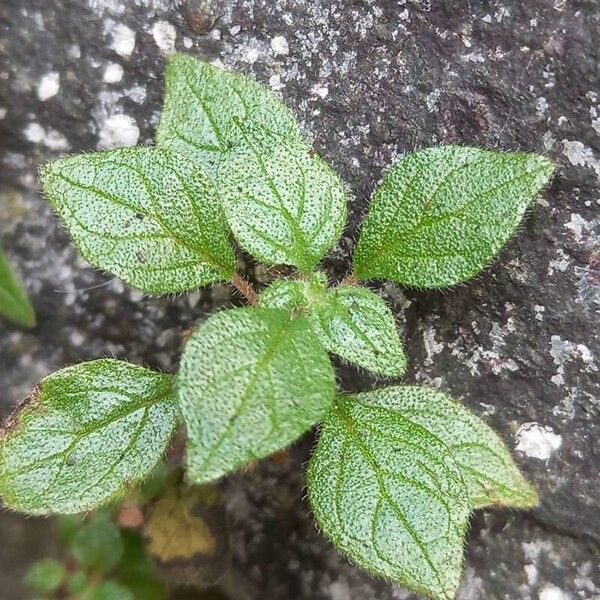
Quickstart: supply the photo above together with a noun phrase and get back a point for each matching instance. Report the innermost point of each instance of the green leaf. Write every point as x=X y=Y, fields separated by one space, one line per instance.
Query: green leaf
x=350 y=321
x=282 y=201
x=85 y=435
x=77 y=583
x=108 y=590
x=136 y=571
x=251 y=382
x=441 y=215
x=97 y=545
x=488 y=470
x=295 y=294
x=389 y=495
x=357 y=325
x=14 y=302
x=150 y=217
x=200 y=102
x=46 y=576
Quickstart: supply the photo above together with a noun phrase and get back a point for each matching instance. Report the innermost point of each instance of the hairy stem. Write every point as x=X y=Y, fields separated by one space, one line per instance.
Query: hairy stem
x=245 y=288
x=350 y=279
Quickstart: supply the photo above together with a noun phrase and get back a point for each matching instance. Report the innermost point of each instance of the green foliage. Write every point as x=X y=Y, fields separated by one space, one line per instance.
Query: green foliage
x=440 y=215
x=488 y=470
x=107 y=590
x=84 y=435
x=395 y=472
x=14 y=302
x=200 y=102
x=389 y=494
x=97 y=544
x=283 y=202
x=350 y=321
x=98 y=561
x=150 y=217
x=250 y=382
x=46 y=576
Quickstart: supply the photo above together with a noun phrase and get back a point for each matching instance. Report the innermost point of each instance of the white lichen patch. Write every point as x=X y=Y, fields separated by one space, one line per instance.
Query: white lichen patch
x=580 y=155
x=119 y=131
x=537 y=441
x=553 y=593
x=280 y=46
x=164 y=35
x=321 y=90
x=48 y=86
x=431 y=346
x=50 y=138
x=123 y=40
x=113 y=73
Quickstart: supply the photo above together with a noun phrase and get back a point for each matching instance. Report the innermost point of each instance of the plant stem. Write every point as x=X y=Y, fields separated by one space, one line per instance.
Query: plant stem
x=245 y=288
x=350 y=279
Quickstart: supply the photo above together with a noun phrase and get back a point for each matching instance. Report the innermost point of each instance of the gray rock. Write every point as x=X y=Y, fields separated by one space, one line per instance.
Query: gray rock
x=370 y=80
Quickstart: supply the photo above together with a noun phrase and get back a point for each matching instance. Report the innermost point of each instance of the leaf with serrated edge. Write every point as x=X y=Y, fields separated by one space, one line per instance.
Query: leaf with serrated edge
x=144 y=214
x=357 y=325
x=201 y=100
x=488 y=470
x=389 y=495
x=350 y=321
x=251 y=381
x=14 y=302
x=85 y=435
x=283 y=203
x=441 y=215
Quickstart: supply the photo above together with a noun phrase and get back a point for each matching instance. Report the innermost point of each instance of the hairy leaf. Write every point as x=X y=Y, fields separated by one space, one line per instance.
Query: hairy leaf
x=440 y=215
x=357 y=325
x=200 y=102
x=488 y=470
x=282 y=201
x=295 y=294
x=251 y=382
x=84 y=435
x=389 y=495
x=150 y=217
x=14 y=302
x=350 y=321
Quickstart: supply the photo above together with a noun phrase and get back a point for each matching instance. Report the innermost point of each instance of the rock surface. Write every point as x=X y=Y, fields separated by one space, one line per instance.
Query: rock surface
x=370 y=80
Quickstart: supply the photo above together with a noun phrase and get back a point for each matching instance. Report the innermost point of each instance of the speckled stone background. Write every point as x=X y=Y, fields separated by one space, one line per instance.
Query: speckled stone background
x=370 y=80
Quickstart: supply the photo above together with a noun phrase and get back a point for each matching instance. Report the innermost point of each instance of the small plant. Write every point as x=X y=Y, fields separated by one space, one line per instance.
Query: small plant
x=396 y=471
x=99 y=561
x=14 y=302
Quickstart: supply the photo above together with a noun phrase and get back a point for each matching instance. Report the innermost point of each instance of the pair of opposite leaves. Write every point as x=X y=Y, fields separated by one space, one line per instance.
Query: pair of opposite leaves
x=153 y=217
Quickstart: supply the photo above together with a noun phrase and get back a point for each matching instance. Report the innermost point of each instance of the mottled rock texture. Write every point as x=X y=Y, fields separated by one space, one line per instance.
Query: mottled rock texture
x=370 y=80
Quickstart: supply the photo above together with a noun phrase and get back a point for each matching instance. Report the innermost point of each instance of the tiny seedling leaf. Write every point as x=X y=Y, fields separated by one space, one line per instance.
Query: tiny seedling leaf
x=251 y=381
x=283 y=203
x=97 y=545
x=200 y=102
x=46 y=576
x=488 y=470
x=350 y=321
x=85 y=435
x=389 y=494
x=440 y=215
x=149 y=216
x=14 y=302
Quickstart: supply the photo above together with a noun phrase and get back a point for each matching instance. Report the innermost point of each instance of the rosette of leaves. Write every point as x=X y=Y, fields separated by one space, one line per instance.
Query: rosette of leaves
x=396 y=471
